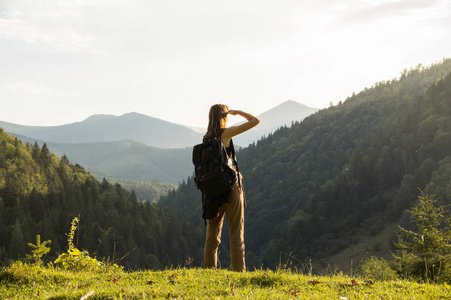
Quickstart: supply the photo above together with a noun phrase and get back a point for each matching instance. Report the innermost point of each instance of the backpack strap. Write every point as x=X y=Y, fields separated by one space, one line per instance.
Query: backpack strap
x=233 y=154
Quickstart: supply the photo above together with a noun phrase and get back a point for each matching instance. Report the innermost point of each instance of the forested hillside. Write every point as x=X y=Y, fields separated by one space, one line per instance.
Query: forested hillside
x=344 y=172
x=130 y=160
x=41 y=193
x=144 y=190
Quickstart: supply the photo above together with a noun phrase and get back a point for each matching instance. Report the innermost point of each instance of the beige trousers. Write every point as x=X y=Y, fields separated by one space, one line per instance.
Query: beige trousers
x=234 y=212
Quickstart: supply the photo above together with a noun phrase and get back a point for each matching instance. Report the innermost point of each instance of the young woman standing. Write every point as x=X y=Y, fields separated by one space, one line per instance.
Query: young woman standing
x=233 y=209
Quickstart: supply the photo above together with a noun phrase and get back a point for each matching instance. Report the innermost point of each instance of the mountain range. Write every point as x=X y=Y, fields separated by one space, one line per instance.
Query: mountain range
x=139 y=147
x=150 y=131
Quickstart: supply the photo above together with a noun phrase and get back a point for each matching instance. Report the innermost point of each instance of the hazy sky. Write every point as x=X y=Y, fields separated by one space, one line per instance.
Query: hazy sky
x=62 y=61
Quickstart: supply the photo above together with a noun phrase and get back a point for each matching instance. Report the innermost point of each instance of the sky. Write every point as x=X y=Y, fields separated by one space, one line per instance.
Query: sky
x=63 y=61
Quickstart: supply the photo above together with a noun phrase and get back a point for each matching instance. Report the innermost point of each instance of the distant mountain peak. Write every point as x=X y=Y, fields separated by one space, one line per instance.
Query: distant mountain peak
x=135 y=114
x=281 y=115
x=131 y=116
x=292 y=104
x=98 y=117
x=139 y=116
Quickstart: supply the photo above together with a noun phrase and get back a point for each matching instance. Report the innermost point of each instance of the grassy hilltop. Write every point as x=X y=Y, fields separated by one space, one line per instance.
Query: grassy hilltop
x=24 y=281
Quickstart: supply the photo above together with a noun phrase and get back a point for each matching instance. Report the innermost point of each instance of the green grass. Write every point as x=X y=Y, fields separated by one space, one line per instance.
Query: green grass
x=24 y=281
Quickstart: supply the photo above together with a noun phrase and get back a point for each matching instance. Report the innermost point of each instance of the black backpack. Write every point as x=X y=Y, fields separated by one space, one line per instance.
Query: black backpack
x=214 y=172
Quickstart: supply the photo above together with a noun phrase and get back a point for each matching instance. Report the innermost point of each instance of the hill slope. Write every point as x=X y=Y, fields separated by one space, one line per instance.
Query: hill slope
x=345 y=172
x=106 y=128
x=130 y=160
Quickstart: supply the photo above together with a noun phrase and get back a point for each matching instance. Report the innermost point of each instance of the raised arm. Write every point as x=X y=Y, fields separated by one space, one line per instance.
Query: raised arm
x=230 y=132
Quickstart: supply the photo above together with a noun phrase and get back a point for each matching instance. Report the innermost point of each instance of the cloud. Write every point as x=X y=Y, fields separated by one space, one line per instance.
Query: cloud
x=153 y=28
x=30 y=33
x=166 y=28
x=54 y=29
x=367 y=11
x=29 y=87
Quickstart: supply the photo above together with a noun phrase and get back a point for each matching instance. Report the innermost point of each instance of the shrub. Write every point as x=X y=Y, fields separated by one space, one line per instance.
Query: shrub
x=377 y=269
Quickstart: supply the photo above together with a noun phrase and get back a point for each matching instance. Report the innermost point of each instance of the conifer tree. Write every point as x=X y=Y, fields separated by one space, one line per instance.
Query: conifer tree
x=17 y=244
x=45 y=156
x=36 y=152
x=38 y=250
x=426 y=254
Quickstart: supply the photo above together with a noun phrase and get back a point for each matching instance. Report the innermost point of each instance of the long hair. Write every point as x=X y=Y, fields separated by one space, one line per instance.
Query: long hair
x=217 y=120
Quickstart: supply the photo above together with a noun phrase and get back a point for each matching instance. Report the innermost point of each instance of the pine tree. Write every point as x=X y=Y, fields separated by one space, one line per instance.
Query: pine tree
x=426 y=254
x=36 y=152
x=38 y=250
x=45 y=156
x=17 y=244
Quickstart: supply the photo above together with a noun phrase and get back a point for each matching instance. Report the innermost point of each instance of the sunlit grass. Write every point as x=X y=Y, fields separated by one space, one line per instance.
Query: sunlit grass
x=24 y=281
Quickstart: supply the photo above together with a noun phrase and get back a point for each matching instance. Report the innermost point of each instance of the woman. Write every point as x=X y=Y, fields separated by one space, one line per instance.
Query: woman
x=234 y=210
